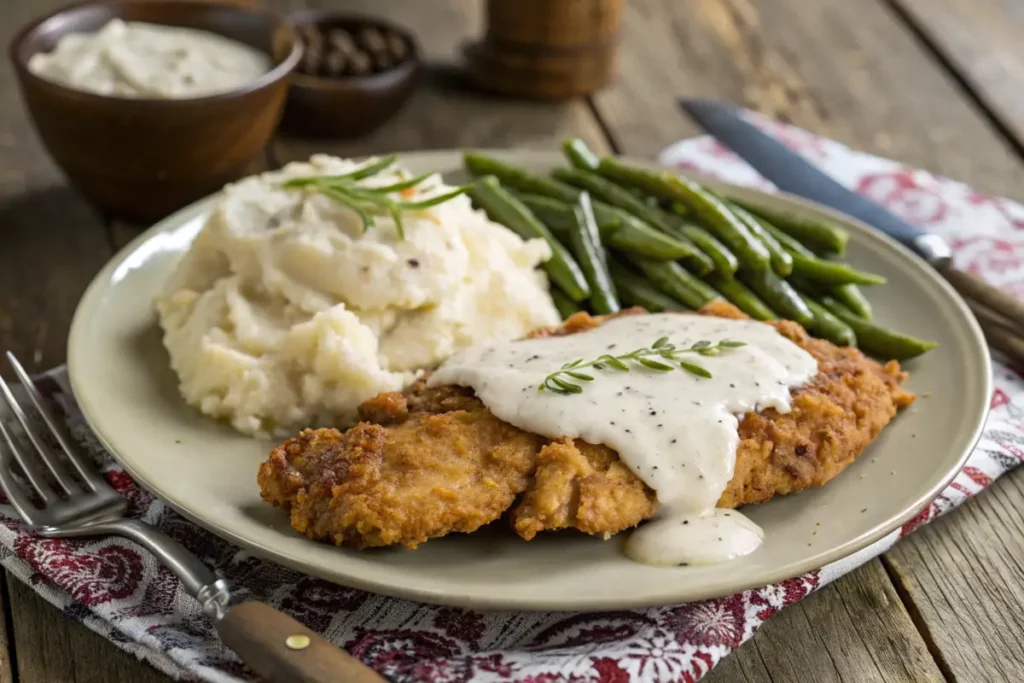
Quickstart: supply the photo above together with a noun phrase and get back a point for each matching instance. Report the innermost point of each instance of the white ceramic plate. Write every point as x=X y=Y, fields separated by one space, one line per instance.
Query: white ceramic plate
x=120 y=375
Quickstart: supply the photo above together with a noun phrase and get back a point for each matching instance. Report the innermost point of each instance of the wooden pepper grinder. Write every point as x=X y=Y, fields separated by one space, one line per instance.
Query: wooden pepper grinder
x=547 y=49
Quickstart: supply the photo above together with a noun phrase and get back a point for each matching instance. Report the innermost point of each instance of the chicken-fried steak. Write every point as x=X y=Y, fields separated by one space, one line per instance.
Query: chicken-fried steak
x=430 y=461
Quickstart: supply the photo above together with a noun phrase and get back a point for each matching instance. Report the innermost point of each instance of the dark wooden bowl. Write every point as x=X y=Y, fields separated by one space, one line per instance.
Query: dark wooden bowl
x=140 y=159
x=349 y=106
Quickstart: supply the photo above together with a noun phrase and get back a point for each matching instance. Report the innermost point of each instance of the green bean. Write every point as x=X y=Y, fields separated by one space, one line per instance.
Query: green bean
x=614 y=195
x=778 y=294
x=830 y=273
x=586 y=244
x=724 y=260
x=744 y=299
x=680 y=209
x=710 y=210
x=674 y=280
x=579 y=154
x=819 y=234
x=875 y=340
x=661 y=247
x=793 y=246
x=515 y=178
x=619 y=198
x=563 y=303
x=618 y=229
x=849 y=294
x=557 y=214
x=827 y=326
x=781 y=261
x=637 y=291
x=502 y=207
x=854 y=299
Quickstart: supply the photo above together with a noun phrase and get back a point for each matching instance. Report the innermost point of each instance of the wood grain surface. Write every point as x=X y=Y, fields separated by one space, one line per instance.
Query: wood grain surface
x=979 y=41
x=933 y=83
x=42 y=221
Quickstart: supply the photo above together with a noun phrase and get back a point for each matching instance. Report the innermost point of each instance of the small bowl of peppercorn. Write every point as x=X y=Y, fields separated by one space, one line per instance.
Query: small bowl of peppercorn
x=356 y=73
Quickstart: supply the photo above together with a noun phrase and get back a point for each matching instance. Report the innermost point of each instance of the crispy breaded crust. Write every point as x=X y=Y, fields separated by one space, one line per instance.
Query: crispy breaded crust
x=442 y=464
x=428 y=462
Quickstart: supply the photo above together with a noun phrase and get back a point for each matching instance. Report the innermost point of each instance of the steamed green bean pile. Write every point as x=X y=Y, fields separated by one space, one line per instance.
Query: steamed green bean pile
x=622 y=235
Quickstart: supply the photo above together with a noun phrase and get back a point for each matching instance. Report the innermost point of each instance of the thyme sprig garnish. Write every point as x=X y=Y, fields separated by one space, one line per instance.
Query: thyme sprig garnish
x=661 y=356
x=369 y=202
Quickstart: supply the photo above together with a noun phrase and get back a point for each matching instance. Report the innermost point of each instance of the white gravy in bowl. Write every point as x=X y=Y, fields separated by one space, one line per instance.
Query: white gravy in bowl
x=140 y=60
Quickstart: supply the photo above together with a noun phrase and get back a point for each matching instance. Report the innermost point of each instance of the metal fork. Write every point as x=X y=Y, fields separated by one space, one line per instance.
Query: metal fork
x=273 y=644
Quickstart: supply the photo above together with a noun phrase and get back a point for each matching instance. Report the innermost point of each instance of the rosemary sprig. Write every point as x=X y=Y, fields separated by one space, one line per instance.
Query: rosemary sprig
x=367 y=202
x=661 y=356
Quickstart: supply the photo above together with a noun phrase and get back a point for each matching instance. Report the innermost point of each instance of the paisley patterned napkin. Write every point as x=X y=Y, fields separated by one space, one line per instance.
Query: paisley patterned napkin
x=119 y=591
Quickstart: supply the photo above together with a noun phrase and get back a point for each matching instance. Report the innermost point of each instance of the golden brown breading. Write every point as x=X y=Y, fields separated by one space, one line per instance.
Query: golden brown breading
x=431 y=461
x=583 y=486
x=443 y=463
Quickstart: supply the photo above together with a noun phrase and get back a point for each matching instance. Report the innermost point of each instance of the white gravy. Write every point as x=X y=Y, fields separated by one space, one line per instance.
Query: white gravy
x=142 y=60
x=677 y=431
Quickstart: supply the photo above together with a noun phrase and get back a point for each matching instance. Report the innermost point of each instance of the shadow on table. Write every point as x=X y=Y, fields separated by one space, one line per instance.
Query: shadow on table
x=58 y=212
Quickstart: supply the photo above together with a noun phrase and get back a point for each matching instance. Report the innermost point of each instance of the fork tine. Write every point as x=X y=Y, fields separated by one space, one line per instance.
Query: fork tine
x=29 y=465
x=15 y=496
x=88 y=474
x=43 y=452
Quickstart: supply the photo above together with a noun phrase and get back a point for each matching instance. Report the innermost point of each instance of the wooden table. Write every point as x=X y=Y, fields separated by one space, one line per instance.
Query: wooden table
x=933 y=83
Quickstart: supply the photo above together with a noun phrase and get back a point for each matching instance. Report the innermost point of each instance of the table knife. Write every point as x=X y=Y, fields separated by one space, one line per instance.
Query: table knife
x=1000 y=314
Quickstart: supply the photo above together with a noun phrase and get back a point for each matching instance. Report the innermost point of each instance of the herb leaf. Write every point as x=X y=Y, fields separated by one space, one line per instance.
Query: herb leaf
x=694 y=369
x=365 y=201
x=652 y=357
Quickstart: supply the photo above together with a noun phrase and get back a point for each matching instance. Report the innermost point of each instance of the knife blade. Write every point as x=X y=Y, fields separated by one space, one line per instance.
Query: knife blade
x=792 y=173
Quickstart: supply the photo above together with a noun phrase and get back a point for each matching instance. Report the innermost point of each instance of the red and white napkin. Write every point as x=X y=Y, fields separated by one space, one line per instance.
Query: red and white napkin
x=120 y=591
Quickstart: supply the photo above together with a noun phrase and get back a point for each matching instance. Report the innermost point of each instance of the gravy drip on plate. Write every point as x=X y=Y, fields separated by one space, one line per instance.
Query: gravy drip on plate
x=677 y=431
x=136 y=59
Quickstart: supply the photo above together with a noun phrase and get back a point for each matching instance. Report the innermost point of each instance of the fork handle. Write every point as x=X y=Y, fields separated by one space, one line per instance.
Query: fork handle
x=281 y=650
x=194 y=575
x=271 y=643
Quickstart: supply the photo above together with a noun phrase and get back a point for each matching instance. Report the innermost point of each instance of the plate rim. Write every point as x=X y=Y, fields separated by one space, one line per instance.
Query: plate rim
x=92 y=294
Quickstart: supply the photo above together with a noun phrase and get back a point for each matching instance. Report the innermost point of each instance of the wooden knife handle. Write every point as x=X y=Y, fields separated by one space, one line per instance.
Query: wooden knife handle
x=973 y=287
x=281 y=650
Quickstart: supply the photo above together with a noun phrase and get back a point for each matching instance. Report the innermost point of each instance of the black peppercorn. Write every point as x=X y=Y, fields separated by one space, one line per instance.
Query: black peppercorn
x=339 y=52
x=373 y=40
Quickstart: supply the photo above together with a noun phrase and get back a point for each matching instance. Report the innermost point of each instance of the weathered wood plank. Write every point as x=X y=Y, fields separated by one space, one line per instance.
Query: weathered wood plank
x=964 y=575
x=981 y=41
x=855 y=629
x=53 y=649
x=848 y=70
x=442 y=113
x=7 y=665
x=53 y=242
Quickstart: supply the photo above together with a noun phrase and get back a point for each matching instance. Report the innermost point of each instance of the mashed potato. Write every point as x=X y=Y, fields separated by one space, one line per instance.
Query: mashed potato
x=286 y=314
